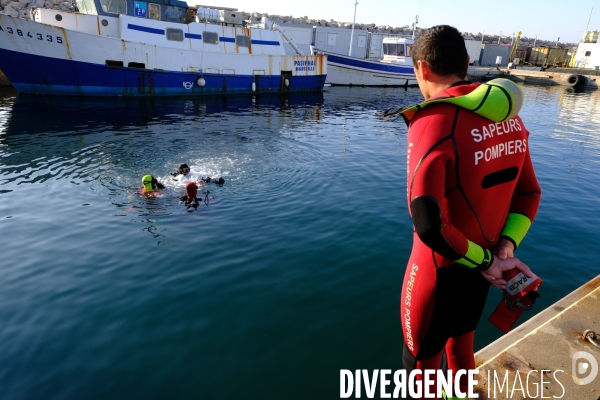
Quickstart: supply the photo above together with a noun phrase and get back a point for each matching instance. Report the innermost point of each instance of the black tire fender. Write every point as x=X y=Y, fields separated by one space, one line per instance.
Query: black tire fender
x=576 y=80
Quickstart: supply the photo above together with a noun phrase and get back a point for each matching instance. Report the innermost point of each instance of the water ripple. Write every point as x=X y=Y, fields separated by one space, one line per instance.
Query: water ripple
x=293 y=265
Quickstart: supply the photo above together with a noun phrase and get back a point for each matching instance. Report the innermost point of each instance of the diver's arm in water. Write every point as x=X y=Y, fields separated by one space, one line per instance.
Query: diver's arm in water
x=187 y=200
x=208 y=179
x=159 y=185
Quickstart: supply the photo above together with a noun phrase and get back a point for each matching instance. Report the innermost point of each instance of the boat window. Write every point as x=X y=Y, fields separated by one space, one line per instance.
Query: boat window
x=242 y=40
x=86 y=6
x=114 y=6
x=172 y=14
x=154 y=11
x=210 y=37
x=389 y=49
x=175 y=34
x=588 y=53
x=400 y=50
x=409 y=50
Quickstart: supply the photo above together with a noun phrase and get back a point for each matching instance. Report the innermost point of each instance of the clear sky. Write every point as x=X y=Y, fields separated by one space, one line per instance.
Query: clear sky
x=548 y=19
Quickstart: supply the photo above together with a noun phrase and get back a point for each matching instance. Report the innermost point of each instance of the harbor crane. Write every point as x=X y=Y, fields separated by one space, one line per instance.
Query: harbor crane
x=515 y=46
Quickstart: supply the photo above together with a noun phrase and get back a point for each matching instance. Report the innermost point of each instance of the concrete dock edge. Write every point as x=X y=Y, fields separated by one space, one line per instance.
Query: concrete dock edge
x=547 y=342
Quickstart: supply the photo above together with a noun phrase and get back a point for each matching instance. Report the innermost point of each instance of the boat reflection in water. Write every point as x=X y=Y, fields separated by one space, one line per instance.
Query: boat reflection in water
x=78 y=115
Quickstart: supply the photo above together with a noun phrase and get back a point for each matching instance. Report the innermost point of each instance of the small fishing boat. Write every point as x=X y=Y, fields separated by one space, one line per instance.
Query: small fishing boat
x=394 y=69
x=151 y=48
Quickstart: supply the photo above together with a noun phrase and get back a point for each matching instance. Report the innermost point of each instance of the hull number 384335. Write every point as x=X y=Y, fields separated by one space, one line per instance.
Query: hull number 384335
x=38 y=36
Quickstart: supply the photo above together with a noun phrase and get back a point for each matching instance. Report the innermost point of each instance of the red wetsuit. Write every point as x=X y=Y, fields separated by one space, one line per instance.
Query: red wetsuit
x=467 y=177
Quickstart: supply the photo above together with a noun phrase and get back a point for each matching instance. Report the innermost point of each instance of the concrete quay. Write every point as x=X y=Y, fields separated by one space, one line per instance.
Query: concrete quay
x=554 y=76
x=543 y=349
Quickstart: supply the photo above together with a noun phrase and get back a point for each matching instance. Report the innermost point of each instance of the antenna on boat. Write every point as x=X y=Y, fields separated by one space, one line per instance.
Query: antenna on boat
x=352 y=33
x=415 y=25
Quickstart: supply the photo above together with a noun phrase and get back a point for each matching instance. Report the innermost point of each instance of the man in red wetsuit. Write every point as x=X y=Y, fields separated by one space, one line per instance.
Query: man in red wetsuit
x=472 y=194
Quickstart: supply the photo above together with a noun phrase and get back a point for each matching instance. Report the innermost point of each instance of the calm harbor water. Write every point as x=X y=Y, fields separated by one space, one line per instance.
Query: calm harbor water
x=290 y=273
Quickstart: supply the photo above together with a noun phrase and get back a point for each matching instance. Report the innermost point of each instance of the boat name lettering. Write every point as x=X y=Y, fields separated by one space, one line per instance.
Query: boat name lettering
x=38 y=36
x=188 y=85
x=304 y=65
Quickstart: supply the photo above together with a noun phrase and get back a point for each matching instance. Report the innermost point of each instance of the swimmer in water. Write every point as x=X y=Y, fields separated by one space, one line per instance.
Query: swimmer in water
x=189 y=199
x=208 y=179
x=151 y=185
x=183 y=170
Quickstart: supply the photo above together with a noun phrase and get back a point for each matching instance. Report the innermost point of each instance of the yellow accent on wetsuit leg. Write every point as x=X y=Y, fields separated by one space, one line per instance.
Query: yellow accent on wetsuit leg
x=516 y=227
x=475 y=256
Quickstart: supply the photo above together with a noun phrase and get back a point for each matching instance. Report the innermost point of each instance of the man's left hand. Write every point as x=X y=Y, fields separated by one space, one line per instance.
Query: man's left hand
x=494 y=274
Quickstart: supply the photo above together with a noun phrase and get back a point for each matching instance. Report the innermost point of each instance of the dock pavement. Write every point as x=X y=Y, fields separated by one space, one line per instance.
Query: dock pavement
x=549 y=347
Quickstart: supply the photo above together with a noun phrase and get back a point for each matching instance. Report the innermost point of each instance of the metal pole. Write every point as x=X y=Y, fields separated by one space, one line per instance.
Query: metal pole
x=588 y=25
x=415 y=25
x=535 y=41
x=352 y=33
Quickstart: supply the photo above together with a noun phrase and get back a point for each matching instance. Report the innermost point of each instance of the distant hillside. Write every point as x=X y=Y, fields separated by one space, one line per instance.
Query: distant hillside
x=21 y=7
x=405 y=30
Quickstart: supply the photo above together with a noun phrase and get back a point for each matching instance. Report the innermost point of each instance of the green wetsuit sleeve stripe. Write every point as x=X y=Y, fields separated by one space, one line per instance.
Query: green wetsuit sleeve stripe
x=476 y=256
x=516 y=227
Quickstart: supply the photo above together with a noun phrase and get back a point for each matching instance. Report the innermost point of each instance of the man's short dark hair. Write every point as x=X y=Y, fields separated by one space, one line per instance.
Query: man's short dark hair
x=443 y=48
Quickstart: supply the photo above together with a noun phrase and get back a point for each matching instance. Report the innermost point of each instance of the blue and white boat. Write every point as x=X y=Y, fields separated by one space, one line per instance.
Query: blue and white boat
x=151 y=48
x=394 y=69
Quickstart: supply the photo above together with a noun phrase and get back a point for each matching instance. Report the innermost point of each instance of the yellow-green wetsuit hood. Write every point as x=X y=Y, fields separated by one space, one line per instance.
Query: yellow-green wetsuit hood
x=147 y=181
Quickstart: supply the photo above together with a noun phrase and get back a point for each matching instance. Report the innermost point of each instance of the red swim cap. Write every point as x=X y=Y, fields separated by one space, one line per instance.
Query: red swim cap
x=191 y=190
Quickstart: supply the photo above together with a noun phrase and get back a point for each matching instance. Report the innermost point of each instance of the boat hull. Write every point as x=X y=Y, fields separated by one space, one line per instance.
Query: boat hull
x=68 y=77
x=67 y=62
x=348 y=71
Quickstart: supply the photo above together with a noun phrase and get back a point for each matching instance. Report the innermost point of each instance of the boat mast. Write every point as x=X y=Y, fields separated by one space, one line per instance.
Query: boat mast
x=352 y=33
x=415 y=25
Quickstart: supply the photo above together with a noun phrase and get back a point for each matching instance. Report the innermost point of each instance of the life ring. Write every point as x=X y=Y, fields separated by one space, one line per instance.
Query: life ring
x=576 y=80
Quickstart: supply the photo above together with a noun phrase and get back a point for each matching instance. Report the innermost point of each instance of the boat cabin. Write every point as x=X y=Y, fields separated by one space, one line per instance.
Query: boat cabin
x=159 y=10
x=397 y=48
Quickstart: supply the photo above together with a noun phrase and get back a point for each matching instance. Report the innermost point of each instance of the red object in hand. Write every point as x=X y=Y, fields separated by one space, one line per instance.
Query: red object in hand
x=518 y=284
x=519 y=295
